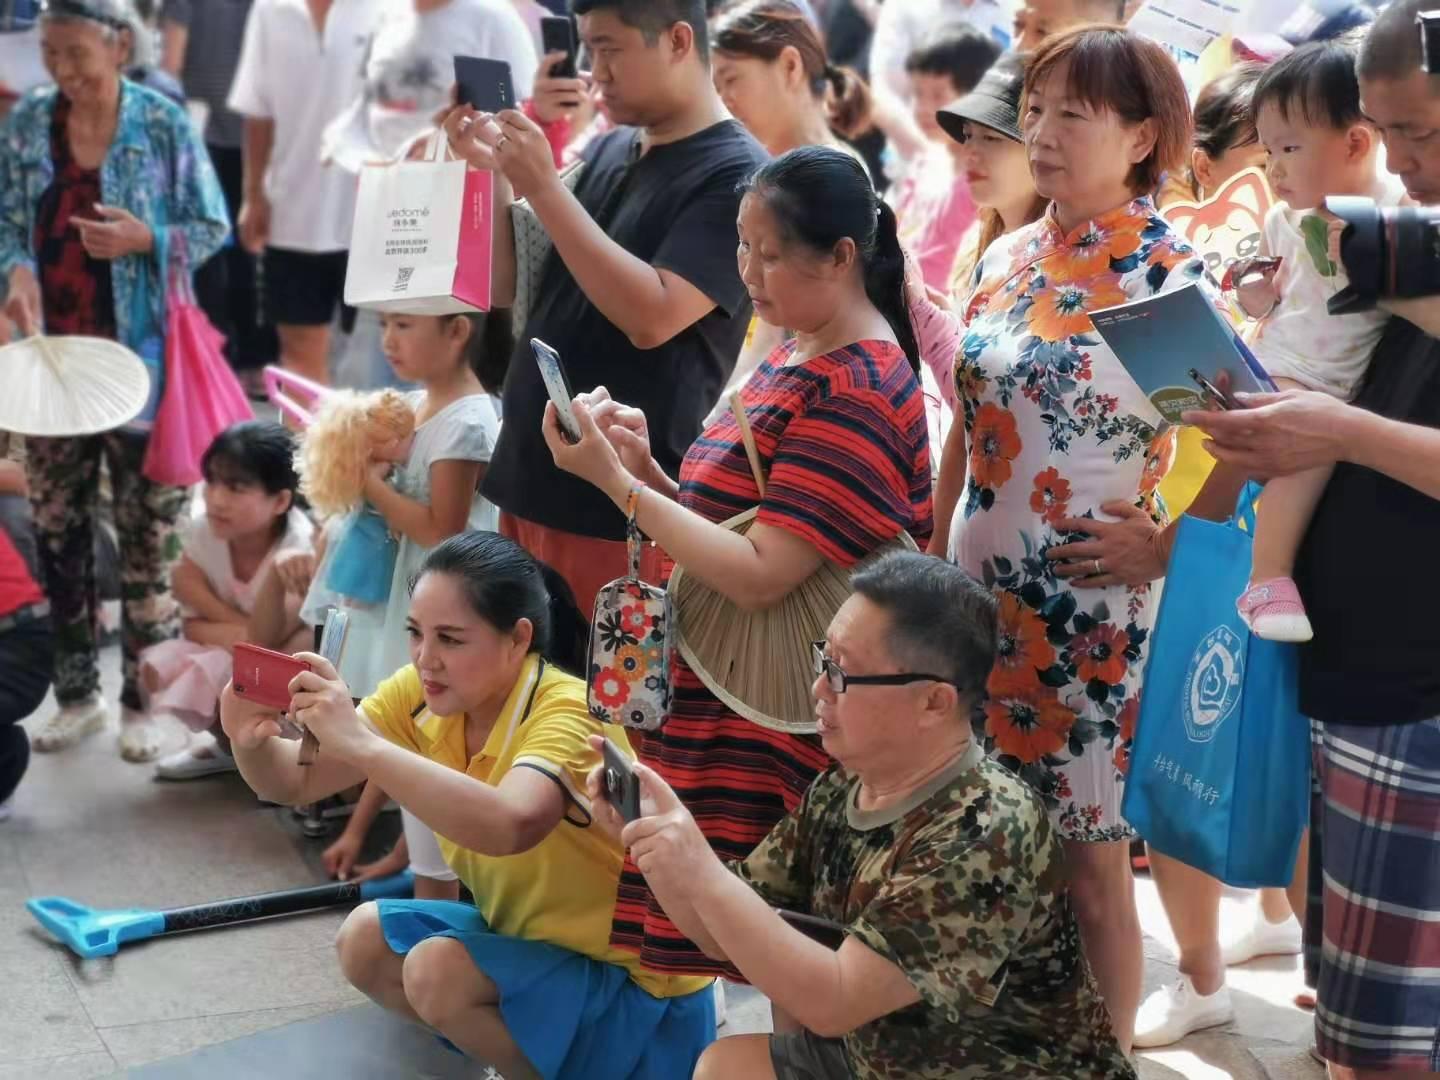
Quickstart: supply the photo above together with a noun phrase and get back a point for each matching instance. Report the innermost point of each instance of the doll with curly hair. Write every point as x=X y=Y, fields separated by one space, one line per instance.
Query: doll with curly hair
x=351 y=432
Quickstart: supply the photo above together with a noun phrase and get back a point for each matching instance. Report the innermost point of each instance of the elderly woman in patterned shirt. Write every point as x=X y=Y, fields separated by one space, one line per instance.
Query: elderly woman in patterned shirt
x=105 y=192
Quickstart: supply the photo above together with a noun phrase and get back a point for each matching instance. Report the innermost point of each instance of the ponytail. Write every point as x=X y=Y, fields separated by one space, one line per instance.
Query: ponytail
x=821 y=196
x=848 y=103
x=569 y=644
x=504 y=584
x=885 y=283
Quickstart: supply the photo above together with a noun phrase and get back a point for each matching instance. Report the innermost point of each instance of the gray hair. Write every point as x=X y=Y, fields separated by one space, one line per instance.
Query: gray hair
x=112 y=16
x=942 y=620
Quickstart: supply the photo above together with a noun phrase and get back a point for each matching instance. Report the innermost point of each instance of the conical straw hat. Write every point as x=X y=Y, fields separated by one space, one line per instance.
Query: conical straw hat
x=758 y=662
x=60 y=386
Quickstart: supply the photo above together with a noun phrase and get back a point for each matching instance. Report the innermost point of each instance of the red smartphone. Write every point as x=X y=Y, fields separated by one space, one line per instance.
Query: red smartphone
x=264 y=675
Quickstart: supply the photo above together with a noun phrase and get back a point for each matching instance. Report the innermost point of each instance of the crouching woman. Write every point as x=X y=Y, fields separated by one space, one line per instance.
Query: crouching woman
x=484 y=739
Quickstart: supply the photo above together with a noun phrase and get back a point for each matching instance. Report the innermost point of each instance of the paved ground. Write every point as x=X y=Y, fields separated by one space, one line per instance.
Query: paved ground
x=101 y=831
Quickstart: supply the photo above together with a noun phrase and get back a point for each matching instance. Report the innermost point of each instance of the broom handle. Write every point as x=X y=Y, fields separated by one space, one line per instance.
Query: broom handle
x=748 y=438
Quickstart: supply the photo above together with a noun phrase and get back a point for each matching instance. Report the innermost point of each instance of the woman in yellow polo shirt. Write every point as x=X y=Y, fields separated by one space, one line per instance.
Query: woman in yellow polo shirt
x=484 y=739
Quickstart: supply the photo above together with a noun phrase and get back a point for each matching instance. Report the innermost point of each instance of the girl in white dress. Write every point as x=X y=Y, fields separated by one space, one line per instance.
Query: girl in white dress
x=245 y=519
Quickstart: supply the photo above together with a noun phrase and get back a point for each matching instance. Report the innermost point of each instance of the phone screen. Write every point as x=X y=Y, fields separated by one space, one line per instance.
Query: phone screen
x=484 y=84
x=552 y=370
x=557 y=34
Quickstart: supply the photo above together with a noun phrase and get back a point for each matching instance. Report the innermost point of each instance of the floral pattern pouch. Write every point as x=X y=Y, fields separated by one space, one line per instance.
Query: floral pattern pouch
x=630 y=645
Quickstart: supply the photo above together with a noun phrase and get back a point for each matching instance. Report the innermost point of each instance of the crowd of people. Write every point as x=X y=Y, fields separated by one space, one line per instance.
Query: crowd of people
x=831 y=262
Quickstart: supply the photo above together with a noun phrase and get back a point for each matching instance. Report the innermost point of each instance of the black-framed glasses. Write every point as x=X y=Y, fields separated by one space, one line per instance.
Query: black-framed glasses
x=839 y=681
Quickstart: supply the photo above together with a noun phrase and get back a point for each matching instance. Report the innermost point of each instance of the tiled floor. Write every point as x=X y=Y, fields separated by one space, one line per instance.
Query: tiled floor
x=94 y=828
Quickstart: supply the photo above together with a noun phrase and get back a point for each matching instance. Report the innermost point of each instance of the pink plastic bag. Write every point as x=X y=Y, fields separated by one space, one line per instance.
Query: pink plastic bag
x=202 y=396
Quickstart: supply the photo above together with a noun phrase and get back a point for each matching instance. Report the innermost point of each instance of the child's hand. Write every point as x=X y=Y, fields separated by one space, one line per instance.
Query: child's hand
x=295 y=569
x=384 y=866
x=339 y=858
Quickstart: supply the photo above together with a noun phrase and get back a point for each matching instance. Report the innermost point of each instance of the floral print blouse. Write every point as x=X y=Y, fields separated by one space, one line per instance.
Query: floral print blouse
x=1057 y=428
x=157 y=168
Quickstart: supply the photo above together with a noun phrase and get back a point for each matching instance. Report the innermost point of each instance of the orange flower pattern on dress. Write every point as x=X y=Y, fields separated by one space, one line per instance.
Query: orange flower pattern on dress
x=1044 y=398
x=1062 y=310
x=1128 y=715
x=1028 y=723
x=1021 y=647
x=996 y=445
x=1051 y=497
x=1100 y=654
x=1097 y=248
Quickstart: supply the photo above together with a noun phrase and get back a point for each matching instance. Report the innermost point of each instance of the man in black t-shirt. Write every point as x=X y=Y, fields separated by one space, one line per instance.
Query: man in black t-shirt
x=641 y=294
x=1371 y=677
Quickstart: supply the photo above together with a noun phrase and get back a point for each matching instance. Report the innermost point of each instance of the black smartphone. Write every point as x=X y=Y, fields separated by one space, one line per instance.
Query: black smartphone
x=1214 y=393
x=557 y=34
x=484 y=84
x=827 y=932
x=622 y=786
x=557 y=383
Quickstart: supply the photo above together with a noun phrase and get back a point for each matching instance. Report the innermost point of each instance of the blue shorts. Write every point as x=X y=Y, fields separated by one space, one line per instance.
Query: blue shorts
x=574 y=1018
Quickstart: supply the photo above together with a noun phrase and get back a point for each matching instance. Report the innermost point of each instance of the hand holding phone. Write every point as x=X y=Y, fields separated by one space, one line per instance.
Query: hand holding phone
x=619 y=783
x=552 y=370
x=557 y=35
x=483 y=84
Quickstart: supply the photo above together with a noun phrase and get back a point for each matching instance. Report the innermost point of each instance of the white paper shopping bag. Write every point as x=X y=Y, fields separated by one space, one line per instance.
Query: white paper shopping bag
x=422 y=238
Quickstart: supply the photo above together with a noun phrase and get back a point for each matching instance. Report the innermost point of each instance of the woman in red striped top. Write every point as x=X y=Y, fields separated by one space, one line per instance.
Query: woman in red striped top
x=839 y=422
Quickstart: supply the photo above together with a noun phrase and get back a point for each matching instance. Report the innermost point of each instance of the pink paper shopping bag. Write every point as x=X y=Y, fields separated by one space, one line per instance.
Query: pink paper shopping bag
x=422 y=237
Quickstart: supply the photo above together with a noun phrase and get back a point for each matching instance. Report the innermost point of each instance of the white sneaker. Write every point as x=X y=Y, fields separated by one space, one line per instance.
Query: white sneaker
x=69 y=725
x=7 y=808
x=139 y=736
x=719 y=1003
x=1173 y=1012
x=203 y=759
x=1263 y=938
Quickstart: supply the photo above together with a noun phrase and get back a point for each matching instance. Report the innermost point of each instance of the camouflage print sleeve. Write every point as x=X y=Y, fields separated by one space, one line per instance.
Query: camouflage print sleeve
x=777 y=869
x=950 y=917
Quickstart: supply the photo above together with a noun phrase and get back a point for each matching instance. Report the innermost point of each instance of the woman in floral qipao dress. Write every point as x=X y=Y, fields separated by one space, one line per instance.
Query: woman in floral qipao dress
x=1059 y=513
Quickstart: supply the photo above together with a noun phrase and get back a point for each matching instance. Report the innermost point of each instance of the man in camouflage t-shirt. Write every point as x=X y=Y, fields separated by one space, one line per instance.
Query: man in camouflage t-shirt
x=961 y=885
x=958 y=956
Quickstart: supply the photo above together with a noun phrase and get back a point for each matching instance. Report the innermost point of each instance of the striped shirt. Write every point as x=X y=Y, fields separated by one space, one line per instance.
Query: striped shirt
x=843 y=442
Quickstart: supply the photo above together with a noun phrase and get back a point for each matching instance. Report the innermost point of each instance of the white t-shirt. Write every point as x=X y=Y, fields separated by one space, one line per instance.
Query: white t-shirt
x=1299 y=339
x=212 y=555
x=302 y=79
x=411 y=68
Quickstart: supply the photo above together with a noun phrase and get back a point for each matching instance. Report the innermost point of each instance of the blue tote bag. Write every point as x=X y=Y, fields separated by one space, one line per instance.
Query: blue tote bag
x=1220 y=766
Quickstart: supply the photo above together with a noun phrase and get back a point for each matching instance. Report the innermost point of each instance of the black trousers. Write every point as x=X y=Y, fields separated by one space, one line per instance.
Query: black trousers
x=227 y=287
x=26 y=657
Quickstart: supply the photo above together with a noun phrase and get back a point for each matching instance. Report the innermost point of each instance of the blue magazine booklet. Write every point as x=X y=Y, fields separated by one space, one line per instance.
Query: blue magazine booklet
x=1181 y=351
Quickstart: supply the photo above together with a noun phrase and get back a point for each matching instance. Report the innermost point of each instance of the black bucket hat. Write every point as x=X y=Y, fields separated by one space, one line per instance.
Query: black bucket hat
x=994 y=103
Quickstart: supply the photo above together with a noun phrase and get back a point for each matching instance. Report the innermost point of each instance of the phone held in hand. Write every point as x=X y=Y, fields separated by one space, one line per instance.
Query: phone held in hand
x=263 y=676
x=552 y=370
x=619 y=782
x=557 y=34
x=1213 y=394
x=484 y=84
x=827 y=932
x=331 y=646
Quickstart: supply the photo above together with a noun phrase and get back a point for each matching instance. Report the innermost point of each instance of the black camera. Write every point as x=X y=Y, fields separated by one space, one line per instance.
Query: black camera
x=1390 y=251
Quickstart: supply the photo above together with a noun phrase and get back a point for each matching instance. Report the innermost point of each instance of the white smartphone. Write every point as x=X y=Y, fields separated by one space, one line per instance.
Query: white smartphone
x=553 y=372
